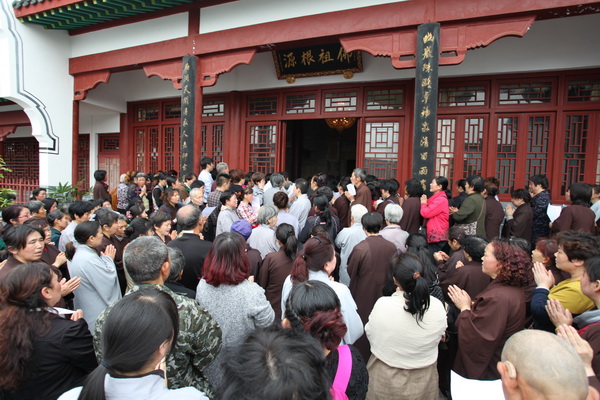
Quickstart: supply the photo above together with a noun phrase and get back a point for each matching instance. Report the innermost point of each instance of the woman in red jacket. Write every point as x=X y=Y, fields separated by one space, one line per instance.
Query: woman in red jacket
x=435 y=211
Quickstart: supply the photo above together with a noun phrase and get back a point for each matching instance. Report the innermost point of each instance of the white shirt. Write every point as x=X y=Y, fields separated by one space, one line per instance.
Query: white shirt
x=300 y=209
x=345 y=241
x=398 y=340
x=206 y=177
x=348 y=306
x=146 y=387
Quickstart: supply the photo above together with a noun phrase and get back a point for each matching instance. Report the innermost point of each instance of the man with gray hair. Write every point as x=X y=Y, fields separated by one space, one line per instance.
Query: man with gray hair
x=199 y=342
x=392 y=231
x=350 y=237
x=363 y=194
x=193 y=247
x=177 y=264
x=221 y=168
x=277 y=183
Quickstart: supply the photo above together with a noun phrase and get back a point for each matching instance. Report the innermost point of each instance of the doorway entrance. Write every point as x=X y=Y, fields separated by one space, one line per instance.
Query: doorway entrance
x=312 y=146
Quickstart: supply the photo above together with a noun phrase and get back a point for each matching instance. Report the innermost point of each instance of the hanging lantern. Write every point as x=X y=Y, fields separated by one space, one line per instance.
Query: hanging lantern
x=340 y=124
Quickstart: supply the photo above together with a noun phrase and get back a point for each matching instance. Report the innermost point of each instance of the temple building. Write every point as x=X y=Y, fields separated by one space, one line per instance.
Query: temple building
x=413 y=88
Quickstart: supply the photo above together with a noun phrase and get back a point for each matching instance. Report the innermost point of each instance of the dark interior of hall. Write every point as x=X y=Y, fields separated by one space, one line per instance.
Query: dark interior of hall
x=312 y=146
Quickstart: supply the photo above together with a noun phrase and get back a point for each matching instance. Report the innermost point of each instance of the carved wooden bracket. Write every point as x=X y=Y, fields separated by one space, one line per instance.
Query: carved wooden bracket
x=6 y=130
x=88 y=81
x=211 y=66
x=170 y=69
x=456 y=39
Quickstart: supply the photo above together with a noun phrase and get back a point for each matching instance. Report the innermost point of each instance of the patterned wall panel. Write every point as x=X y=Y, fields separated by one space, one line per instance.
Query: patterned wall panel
x=381 y=149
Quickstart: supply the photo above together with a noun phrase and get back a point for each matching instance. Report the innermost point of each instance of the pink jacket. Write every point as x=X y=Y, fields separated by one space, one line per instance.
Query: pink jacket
x=437 y=214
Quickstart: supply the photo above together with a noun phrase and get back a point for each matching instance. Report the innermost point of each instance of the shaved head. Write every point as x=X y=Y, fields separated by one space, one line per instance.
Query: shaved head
x=544 y=364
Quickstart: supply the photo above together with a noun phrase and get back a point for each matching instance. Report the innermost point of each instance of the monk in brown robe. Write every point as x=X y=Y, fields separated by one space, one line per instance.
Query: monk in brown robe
x=497 y=313
x=368 y=267
x=468 y=275
x=519 y=219
x=363 y=194
x=494 y=213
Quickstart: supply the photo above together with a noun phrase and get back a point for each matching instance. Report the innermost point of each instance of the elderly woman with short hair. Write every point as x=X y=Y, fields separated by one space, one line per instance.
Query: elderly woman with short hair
x=393 y=231
x=263 y=236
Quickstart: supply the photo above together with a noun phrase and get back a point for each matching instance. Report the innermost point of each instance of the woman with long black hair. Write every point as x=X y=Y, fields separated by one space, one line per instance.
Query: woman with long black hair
x=331 y=223
x=404 y=331
x=277 y=266
x=42 y=355
x=138 y=335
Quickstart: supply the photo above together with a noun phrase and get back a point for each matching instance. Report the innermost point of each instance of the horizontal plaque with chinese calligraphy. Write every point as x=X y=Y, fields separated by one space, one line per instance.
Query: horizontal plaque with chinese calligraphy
x=318 y=60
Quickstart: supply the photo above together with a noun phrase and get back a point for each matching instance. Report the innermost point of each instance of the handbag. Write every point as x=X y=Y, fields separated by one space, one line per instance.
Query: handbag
x=470 y=229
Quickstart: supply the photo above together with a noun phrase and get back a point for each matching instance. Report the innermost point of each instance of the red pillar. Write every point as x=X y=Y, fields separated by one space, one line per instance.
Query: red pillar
x=75 y=144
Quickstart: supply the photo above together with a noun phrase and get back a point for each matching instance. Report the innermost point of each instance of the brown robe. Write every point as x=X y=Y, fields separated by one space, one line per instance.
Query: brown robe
x=255 y=260
x=575 y=218
x=390 y=200
x=118 y=260
x=591 y=334
x=363 y=196
x=368 y=267
x=447 y=268
x=520 y=224
x=494 y=215
x=411 y=220
x=469 y=277
x=342 y=207
x=496 y=314
x=274 y=270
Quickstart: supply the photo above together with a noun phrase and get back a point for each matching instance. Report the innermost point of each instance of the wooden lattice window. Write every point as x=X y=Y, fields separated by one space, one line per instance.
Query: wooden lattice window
x=83 y=160
x=108 y=143
x=575 y=142
x=462 y=96
x=262 y=105
x=526 y=93
x=473 y=141
x=384 y=99
x=506 y=162
x=213 y=108
x=153 y=150
x=584 y=90
x=22 y=157
x=381 y=149
x=300 y=103
x=172 y=111
x=140 y=139
x=171 y=147
x=212 y=141
x=147 y=112
x=340 y=101
x=444 y=148
x=262 y=151
x=538 y=145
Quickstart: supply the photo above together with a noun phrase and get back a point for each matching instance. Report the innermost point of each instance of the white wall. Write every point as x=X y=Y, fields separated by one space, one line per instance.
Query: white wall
x=136 y=34
x=34 y=73
x=565 y=43
x=251 y=12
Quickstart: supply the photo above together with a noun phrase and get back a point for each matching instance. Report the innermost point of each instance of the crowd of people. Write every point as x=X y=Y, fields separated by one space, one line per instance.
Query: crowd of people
x=236 y=285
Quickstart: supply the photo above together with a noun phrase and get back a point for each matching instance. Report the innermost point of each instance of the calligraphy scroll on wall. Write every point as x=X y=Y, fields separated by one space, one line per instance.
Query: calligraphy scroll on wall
x=426 y=92
x=188 y=104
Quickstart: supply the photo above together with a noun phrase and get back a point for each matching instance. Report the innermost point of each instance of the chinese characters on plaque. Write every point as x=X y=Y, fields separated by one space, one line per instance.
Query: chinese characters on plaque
x=327 y=59
x=426 y=89
x=188 y=100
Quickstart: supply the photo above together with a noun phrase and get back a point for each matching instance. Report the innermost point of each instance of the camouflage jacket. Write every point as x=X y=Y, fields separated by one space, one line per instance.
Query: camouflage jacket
x=198 y=344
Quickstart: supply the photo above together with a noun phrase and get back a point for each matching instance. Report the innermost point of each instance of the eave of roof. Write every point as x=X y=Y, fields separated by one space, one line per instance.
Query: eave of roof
x=73 y=14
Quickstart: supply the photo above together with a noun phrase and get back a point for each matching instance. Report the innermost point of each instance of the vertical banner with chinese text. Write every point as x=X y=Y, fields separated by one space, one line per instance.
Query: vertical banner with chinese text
x=426 y=96
x=188 y=104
